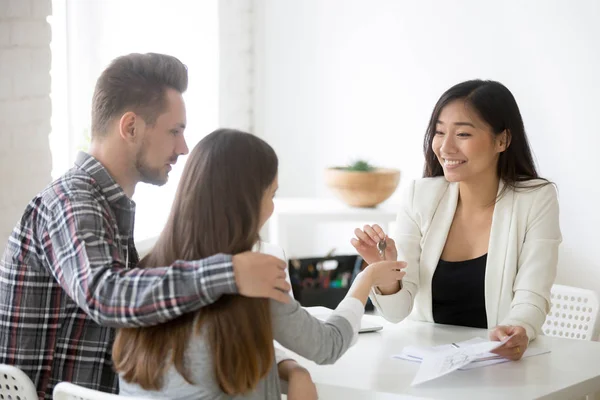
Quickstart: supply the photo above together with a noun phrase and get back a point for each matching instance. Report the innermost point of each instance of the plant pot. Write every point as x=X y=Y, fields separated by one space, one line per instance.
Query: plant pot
x=362 y=189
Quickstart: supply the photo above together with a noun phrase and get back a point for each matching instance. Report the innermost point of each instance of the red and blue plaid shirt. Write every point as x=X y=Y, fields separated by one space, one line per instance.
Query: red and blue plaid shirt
x=64 y=285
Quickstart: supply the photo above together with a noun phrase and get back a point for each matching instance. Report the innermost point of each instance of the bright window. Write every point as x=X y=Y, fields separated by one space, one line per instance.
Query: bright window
x=87 y=35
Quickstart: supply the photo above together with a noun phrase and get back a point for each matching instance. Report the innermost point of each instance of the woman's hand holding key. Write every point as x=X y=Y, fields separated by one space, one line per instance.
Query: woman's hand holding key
x=368 y=243
x=369 y=240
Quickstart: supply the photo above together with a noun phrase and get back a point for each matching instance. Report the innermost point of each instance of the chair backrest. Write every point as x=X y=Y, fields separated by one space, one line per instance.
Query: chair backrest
x=70 y=391
x=15 y=384
x=573 y=313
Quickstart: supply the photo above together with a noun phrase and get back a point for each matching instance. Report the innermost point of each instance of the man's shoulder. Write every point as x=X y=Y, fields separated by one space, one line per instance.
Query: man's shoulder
x=73 y=186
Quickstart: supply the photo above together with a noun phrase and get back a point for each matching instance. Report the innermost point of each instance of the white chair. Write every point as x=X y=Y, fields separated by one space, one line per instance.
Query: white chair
x=573 y=313
x=69 y=391
x=15 y=384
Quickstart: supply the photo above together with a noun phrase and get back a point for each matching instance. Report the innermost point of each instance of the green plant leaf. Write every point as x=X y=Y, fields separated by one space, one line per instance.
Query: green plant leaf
x=360 y=166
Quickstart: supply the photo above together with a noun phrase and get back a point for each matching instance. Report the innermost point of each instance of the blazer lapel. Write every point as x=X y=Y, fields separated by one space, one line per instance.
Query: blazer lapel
x=433 y=244
x=497 y=248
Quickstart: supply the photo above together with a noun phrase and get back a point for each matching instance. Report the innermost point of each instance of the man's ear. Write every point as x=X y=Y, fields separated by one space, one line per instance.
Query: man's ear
x=128 y=126
x=503 y=141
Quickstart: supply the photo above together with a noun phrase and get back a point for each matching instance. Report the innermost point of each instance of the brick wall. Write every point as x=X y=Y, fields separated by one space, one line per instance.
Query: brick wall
x=25 y=110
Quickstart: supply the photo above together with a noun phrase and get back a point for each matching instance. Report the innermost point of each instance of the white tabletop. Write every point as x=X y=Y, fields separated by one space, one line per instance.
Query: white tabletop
x=571 y=369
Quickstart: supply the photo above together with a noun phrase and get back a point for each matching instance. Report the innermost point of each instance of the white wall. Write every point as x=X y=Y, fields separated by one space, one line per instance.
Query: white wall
x=236 y=64
x=341 y=79
x=25 y=160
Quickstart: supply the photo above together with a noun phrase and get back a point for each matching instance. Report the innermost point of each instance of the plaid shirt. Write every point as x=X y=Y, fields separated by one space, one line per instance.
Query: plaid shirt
x=64 y=284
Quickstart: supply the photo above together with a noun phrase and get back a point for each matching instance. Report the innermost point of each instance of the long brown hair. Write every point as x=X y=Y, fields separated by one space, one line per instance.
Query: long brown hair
x=216 y=210
x=496 y=105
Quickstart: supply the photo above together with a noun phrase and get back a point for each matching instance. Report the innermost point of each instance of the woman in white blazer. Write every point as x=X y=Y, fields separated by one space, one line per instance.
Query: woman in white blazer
x=480 y=232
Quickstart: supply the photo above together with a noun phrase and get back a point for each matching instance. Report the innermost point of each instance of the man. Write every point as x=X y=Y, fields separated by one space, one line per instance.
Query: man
x=68 y=274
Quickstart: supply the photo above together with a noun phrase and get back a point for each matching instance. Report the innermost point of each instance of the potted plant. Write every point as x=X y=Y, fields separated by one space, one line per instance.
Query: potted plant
x=361 y=184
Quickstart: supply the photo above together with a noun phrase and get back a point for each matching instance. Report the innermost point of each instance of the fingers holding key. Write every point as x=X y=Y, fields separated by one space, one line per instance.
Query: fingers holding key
x=381 y=235
x=366 y=244
x=375 y=232
x=364 y=237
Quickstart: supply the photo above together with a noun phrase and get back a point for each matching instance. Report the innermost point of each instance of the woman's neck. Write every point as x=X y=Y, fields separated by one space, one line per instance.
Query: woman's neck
x=478 y=195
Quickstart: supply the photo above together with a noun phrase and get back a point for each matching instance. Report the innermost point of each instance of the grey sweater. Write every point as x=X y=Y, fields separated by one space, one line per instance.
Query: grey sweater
x=293 y=327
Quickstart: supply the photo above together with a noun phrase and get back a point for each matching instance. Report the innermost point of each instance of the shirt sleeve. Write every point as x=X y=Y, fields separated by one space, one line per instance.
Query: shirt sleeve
x=322 y=342
x=79 y=244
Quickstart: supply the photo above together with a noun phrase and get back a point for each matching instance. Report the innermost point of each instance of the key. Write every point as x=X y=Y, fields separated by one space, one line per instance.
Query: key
x=381 y=245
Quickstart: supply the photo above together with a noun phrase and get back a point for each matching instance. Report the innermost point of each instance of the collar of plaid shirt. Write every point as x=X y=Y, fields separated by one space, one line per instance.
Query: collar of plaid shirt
x=110 y=190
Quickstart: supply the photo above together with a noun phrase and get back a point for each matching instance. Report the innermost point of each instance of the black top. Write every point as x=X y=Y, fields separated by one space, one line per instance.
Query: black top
x=458 y=293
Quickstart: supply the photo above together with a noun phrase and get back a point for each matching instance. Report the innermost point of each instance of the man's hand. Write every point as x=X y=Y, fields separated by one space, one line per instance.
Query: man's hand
x=261 y=275
x=514 y=348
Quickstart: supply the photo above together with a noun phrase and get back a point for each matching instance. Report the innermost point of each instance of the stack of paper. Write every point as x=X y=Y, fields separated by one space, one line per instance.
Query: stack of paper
x=441 y=360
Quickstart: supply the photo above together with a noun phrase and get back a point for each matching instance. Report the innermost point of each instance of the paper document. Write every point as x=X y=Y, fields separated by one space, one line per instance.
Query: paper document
x=441 y=360
x=416 y=354
x=439 y=364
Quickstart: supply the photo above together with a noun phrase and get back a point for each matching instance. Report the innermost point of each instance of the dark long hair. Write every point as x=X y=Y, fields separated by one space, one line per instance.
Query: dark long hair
x=496 y=105
x=216 y=210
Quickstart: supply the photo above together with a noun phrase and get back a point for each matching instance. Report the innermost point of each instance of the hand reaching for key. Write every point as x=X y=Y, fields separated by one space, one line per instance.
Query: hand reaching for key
x=366 y=242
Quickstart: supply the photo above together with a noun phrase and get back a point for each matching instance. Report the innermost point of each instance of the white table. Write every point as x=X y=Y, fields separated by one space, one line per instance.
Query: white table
x=367 y=371
x=315 y=210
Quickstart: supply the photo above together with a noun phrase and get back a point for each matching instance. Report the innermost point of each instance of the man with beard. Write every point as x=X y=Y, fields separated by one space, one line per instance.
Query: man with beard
x=68 y=275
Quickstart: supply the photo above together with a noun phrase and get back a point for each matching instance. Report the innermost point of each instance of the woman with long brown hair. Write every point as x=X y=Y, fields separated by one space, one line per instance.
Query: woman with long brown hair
x=226 y=349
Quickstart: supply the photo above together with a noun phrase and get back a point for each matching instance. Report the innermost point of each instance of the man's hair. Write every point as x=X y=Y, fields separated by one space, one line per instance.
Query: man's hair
x=136 y=82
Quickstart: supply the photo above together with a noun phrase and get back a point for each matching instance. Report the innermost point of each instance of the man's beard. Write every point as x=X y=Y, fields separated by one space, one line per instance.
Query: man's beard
x=153 y=176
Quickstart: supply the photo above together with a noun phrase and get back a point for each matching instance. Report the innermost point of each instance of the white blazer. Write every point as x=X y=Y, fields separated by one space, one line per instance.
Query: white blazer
x=521 y=262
